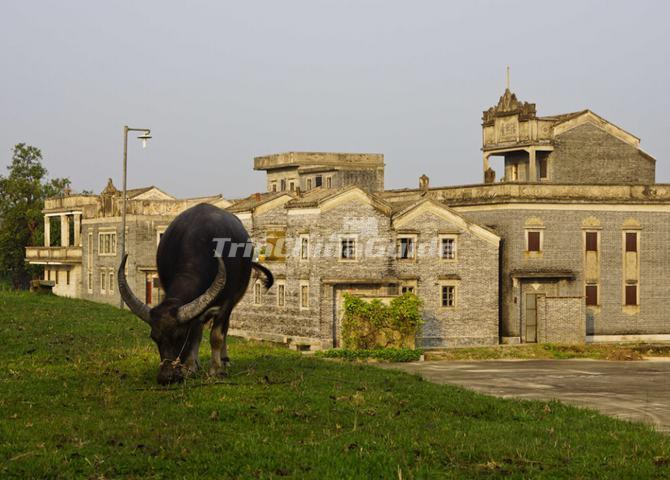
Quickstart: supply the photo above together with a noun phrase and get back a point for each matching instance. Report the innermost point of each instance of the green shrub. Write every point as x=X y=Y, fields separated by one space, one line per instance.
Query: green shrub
x=373 y=325
x=386 y=354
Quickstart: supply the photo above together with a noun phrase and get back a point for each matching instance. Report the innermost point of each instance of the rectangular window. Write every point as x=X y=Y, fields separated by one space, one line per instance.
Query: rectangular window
x=631 y=294
x=318 y=181
x=89 y=282
x=304 y=247
x=329 y=182
x=304 y=296
x=405 y=248
x=56 y=276
x=407 y=289
x=543 y=168
x=107 y=243
x=533 y=241
x=448 y=295
x=282 y=185
x=291 y=186
x=448 y=248
x=275 y=245
x=591 y=241
x=110 y=286
x=348 y=249
x=67 y=277
x=591 y=295
x=281 y=294
x=631 y=241
x=257 y=293
x=103 y=282
x=273 y=187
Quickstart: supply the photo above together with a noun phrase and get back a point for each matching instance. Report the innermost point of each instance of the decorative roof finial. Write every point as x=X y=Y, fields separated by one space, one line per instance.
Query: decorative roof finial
x=507 y=87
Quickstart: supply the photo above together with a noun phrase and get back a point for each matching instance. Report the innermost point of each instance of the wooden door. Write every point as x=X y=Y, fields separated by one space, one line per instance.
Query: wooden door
x=531 y=318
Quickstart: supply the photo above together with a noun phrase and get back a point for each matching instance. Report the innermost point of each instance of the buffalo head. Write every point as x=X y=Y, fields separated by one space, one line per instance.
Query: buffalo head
x=174 y=327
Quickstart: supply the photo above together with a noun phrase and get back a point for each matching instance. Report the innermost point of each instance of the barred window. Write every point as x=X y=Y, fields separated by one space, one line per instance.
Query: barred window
x=281 y=294
x=107 y=243
x=304 y=248
x=405 y=248
x=448 y=295
x=257 y=293
x=348 y=249
x=304 y=296
x=448 y=248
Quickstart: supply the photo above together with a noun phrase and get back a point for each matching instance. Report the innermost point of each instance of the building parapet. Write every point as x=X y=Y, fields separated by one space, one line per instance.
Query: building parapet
x=68 y=202
x=59 y=255
x=295 y=159
x=483 y=194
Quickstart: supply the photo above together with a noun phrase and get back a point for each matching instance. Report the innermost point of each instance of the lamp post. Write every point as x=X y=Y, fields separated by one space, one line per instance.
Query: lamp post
x=146 y=135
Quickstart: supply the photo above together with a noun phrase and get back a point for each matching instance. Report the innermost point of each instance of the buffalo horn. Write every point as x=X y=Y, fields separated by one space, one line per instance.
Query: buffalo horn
x=136 y=306
x=200 y=304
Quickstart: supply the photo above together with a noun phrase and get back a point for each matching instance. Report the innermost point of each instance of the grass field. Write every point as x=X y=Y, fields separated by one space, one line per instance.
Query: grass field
x=78 y=399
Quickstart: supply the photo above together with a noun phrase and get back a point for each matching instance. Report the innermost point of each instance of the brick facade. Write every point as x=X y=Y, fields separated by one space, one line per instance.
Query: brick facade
x=588 y=154
x=472 y=320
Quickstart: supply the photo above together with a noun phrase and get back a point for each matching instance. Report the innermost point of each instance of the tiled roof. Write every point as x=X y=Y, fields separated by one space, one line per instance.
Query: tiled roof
x=254 y=200
x=563 y=117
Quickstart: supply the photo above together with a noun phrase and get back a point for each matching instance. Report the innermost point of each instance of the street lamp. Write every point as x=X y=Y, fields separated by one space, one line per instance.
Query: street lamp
x=146 y=135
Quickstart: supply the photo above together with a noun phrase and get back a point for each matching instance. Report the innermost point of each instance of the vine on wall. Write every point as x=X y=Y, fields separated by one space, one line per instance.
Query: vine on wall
x=372 y=324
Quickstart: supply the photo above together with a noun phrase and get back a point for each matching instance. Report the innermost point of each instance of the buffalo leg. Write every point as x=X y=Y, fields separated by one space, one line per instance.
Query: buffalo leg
x=191 y=362
x=217 y=340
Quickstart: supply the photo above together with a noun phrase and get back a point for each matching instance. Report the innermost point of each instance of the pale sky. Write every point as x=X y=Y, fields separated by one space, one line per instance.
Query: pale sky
x=220 y=82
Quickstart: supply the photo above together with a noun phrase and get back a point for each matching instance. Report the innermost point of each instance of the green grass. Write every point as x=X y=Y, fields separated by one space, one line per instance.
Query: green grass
x=78 y=399
x=383 y=354
x=632 y=351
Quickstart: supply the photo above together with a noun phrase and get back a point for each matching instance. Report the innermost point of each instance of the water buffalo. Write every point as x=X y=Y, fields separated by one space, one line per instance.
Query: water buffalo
x=204 y=262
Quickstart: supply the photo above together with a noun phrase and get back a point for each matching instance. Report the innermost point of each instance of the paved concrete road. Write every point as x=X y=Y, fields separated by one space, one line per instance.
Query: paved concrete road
x=638 y=391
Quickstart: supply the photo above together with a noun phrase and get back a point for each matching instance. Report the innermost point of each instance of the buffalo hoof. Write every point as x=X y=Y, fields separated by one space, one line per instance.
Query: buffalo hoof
x=220 y=372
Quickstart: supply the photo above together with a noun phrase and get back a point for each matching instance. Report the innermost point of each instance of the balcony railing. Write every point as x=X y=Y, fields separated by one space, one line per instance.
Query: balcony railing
x=53 y=254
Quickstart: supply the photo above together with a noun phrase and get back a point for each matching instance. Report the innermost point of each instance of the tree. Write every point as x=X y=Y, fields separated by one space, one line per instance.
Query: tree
x=22 y=195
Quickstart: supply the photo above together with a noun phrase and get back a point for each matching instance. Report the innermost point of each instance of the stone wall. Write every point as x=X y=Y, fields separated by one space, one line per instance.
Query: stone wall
x=563 y=250
x=588 y=154
x=141 y=245
x=561 y=319
x=375 y=272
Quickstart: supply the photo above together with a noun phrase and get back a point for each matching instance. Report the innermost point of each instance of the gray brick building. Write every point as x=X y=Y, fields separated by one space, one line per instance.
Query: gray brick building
x=569 y=243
